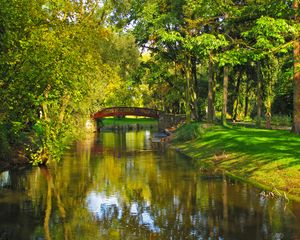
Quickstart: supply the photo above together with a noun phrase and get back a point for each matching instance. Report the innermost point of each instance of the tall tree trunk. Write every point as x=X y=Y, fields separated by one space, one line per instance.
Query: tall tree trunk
x=65 y=103
x=45 y=104
x=225 y=95
x=296 y=117
x=188 y=92
x=259 y=97
x=210 y=106
x=225 y=82
x=268 y=106
x=195 y=89
x=236 y=100
x=246 y=100
x=268 y=117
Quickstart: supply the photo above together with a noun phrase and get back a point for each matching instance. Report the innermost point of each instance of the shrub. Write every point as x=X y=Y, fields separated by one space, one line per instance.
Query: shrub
x=4 y=144
x=281 y=120
x=189 y=132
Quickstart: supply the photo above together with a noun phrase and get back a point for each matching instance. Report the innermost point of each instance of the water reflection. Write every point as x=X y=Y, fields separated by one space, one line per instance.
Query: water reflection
x=109 y=208
x=113 y=186
x=4 y=179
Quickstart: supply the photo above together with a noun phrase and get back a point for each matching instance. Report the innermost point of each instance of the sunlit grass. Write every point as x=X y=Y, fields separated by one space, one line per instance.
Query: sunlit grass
x=270 y=157
x=128 y=120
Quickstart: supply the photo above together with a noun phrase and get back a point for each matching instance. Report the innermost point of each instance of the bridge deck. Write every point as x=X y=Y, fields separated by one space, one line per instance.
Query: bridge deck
x=126 y=111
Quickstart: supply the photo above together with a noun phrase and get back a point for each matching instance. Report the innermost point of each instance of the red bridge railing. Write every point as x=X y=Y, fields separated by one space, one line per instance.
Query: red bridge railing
x=126 y=111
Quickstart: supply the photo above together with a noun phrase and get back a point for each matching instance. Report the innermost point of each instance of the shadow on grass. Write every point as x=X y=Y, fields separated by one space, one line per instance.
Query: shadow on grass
x=251 y=148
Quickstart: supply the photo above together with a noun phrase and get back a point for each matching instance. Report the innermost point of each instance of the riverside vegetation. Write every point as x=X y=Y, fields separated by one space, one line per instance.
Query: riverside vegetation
x=62 y=61
x=266 y=158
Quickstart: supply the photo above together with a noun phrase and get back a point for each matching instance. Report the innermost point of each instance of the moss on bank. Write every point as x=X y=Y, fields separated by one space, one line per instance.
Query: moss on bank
x=269 y=158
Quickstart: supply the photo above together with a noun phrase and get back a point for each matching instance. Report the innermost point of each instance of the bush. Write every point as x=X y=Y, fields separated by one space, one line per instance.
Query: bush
x=189 y=132
x=281 y=120
x=4 y=144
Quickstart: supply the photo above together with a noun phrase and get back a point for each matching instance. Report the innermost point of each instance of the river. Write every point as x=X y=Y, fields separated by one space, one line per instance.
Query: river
x=114 y=185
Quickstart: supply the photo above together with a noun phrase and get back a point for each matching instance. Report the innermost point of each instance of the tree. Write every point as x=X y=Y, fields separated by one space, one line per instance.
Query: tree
x=296 y=114
x=57 y=61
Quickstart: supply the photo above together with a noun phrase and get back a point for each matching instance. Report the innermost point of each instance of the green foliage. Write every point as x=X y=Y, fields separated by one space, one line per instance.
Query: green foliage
x=4 y=144
x=269 y=34
x=269 y=69
x=281 y=120
x=188 y=132
x=233 y=57
x=61 y=61
x=15 y=129
x=205 y=43
x=181 y=37
x=58 y=65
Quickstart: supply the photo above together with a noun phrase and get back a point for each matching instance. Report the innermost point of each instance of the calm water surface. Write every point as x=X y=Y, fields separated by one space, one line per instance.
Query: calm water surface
x=114 y=186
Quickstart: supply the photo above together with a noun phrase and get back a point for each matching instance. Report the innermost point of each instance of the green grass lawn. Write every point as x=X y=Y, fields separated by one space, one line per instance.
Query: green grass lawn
x=128 y=121
x=266 y=157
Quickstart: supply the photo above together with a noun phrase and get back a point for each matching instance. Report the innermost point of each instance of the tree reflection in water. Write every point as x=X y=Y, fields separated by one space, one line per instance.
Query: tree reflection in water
x=114 y=187
x=109 y=209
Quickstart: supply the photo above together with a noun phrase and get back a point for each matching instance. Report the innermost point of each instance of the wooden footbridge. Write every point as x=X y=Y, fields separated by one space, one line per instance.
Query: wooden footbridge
x=165 y=120
x=127 y=111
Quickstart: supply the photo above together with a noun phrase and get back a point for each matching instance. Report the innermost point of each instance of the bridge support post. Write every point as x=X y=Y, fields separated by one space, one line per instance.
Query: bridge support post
x=99 y=124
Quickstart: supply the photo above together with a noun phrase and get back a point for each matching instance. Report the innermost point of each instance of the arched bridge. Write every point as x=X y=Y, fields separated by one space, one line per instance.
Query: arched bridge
x=127 y=111
x=165 y=120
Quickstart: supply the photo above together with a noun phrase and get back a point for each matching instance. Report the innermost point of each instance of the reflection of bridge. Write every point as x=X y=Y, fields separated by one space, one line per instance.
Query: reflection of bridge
x=165 y=120
x=127 y=111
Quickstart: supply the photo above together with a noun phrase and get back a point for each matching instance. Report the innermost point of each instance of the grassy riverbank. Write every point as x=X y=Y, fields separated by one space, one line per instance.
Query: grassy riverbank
x=269 y=158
